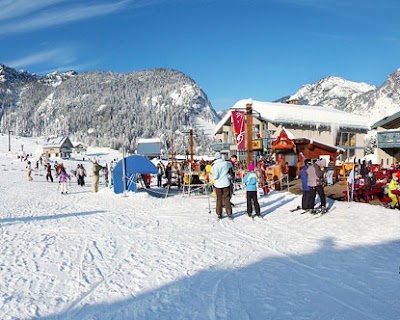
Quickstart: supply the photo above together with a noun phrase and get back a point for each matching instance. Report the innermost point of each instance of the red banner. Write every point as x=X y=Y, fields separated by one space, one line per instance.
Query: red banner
x=239 y=120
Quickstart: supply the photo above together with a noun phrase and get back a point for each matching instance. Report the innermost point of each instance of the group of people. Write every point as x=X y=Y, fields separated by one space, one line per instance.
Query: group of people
x=223 y=173
x=63 y=177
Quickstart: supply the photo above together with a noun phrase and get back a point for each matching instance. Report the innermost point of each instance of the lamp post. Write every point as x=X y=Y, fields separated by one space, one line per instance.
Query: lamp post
x=9 y=140
x=249 y=131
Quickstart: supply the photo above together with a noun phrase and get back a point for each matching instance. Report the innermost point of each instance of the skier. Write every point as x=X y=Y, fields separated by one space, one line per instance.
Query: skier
x=48 y=174
x=221 y=176
x=62 y=180
x=305 y=200
x=29 y=171
x=251 y=180
x=96 y=173
x=160 y=173
x=315 y=177
x=81 y=173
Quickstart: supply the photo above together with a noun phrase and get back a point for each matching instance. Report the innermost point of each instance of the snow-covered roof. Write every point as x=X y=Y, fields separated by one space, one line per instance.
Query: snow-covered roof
x=388 y=122
x=150 y=140
x=283 y=113
x=55 y=142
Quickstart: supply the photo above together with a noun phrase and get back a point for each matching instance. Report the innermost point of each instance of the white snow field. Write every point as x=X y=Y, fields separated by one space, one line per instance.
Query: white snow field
x=104 y=256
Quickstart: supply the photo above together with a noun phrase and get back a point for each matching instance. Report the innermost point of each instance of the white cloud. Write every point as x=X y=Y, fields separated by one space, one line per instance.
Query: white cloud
x=35 y=17
x=11 y=9
x=59 y=54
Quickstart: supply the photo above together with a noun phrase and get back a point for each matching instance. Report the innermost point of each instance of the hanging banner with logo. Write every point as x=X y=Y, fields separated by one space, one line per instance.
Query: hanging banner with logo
x=238 y=120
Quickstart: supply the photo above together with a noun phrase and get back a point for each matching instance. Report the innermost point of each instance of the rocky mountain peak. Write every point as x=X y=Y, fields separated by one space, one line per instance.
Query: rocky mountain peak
x=11 y=75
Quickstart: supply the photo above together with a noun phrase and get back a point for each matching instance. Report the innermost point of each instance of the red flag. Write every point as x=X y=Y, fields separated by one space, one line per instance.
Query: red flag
x=238 y=119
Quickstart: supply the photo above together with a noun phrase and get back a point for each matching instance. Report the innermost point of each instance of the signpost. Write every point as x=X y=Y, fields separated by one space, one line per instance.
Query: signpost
x=249 y=131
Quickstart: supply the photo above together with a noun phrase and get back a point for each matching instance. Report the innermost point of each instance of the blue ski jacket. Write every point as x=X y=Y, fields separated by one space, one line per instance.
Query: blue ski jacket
x=304 y=178
x=250 y=180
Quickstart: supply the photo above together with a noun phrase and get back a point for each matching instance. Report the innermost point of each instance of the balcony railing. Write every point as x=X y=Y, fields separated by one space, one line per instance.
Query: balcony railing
x=389 y=139
x=220 y=146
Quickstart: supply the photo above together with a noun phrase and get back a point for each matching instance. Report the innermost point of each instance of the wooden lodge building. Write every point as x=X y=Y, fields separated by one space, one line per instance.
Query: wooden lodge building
x=306 y=131
x=58 y=147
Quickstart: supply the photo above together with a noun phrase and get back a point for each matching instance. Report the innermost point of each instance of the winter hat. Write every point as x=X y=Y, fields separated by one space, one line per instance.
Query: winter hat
x=307 y=162
x=217 y=155
x=251 y=166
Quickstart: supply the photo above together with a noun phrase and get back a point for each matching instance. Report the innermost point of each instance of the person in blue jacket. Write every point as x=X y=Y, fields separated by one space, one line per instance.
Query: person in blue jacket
x=251 y=180
x=222 y=184
x=305 y=200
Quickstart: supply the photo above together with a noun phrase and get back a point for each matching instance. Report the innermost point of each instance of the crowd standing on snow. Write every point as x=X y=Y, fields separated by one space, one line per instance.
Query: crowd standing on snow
x=363 y=181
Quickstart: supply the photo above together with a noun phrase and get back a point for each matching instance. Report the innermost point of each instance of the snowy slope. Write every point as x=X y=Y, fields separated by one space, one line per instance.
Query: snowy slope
x=330 y=91
x=354 y=97
x=106 y=256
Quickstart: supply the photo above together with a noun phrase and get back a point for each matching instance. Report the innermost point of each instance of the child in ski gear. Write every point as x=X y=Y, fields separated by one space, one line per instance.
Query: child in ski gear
x=62 y=180
x=251 y=180
x=222 y=181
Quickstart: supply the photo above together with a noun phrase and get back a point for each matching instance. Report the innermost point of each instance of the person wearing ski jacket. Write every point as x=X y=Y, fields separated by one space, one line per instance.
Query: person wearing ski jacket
x=251 y=180
x=62 y=180
x=48 y=172
x=305 y=200
x=29 y=171
x=394 y=185
x=96 y=172
x=222 y=181
x=315 y=182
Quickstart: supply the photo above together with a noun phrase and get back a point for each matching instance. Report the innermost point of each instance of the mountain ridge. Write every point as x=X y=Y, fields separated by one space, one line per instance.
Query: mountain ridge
x=111 y=109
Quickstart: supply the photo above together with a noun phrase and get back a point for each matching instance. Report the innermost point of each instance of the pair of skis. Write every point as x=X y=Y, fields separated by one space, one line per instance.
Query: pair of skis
x=317 y=212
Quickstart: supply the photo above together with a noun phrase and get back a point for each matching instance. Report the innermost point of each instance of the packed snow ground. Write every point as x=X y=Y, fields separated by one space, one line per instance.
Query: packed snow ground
x=104 y=256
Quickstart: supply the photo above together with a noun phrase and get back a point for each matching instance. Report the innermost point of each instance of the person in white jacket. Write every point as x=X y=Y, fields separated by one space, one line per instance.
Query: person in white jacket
x=222 y=182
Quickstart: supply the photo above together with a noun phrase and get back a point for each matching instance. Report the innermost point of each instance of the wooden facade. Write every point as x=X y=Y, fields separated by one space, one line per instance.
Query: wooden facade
x=58 y=147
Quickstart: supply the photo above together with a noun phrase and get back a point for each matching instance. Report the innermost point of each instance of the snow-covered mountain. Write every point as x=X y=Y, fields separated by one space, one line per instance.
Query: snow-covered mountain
x=55 y=78
x=332 y=92
x=107 y=108
x=12 y=76
x=360 y=98
x=381 y=102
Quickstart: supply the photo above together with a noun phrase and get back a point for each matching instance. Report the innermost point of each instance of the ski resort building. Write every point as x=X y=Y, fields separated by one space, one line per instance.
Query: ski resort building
x=58 y=147
x=149 y=147
x=388 y=139
x=312 y=125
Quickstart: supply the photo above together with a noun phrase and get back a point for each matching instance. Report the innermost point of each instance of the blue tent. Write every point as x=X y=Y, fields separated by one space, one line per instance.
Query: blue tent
x=133 y=165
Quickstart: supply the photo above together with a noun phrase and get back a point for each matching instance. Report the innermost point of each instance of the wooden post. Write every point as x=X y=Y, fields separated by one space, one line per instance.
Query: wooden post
x=172 y=151
x=9 y=140
x=249 y=132
x=191 y=146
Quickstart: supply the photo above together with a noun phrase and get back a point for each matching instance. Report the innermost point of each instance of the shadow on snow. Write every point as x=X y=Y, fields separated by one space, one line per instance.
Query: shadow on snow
x=355 y=283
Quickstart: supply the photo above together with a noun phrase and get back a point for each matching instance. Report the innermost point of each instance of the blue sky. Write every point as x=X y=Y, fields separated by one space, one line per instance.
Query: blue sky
x=234 y=49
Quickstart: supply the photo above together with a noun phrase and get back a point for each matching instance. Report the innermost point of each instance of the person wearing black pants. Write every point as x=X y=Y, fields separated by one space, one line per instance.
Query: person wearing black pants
x=305 y=200
x=315 y=182
x=251 y=181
